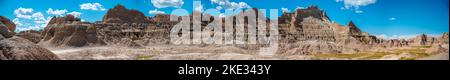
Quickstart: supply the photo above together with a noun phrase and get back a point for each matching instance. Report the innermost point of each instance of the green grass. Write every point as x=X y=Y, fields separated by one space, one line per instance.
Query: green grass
x=421 y=46
x=407 y=58
x=419 y=52
x=339 y=55
x=144 y=58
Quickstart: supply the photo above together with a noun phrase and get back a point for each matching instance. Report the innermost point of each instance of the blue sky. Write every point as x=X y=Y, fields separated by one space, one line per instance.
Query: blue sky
x=384 y=18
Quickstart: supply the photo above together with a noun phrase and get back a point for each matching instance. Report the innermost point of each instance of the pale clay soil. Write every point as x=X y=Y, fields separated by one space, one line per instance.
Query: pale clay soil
x=177 y=52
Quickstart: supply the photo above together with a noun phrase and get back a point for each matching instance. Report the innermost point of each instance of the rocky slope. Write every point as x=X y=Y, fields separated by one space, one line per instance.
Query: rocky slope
x=17 y=48
x=31 y=35
x=10 y=25
x=120 y=14
x=312 y=32
x=6 y=27
x=69 y=31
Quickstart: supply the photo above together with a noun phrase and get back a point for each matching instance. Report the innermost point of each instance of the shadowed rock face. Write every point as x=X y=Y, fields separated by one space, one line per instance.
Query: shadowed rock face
x=6 y=27
x=293 y=19
x=353 y=30
x=17 y=48
x=8 y=23
x=69 y=31
x=119 y=14
x=32 y=35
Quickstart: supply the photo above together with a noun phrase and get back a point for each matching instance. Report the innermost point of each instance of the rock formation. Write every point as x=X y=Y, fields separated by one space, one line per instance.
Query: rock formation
x=291 y=21
x=6 y=27
x=8 y=23
x=120 y=14
x=69 y=31
x=32 y=35
x=312 y=32
x=16 y=48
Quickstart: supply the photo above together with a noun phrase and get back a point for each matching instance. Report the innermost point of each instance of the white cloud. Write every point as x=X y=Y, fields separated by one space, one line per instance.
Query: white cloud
x=75 y=13
x=298 y=7
x=23 y=12
x=199 y=8
x=384 y=36
x=284 y=9
x=39 y=18
x=92 y=6
x=359 y=11
x=356 y=4
x=56 y=12
x=37 y=15
x=31 y=27
x=392 y=19
x=222 y=15
x=27 y=19
x=156 y=11
x=219 y=8
x=167 y=3
x=402 y=36
x=17 y=22
x=231 y=5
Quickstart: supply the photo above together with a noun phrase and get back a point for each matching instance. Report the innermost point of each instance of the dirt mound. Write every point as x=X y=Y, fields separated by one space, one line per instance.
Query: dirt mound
x=17 y=48
x=32 y=35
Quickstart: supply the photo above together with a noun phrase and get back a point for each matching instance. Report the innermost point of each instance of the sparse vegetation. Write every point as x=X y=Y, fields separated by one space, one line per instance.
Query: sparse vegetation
x=403 y=58
x=421 y=46
x=144 y=58
x=418 y=51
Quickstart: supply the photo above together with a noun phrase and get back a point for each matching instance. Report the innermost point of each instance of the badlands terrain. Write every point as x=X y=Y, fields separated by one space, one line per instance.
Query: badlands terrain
x=124 y=34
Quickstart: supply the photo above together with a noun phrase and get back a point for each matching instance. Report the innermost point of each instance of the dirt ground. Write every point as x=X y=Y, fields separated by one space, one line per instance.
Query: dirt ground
x=189 y=52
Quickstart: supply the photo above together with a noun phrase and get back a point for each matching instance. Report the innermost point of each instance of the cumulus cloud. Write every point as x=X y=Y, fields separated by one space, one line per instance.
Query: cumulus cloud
x=284 y=9
x=167 y=3
x=359 y=11
x=356 y=4
x=198 y=8
x=230 y=5
x=23 y=12
x=92 y=6
x=27 y=18
x=56 y=12
x=75 y=13
x=39 y=18
x=219 y=8
x=156 y=11
x=392 y=19
x=28 y=13
x=222 y=15
x=17 y=22
x=298 y=7
x=384 y=36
